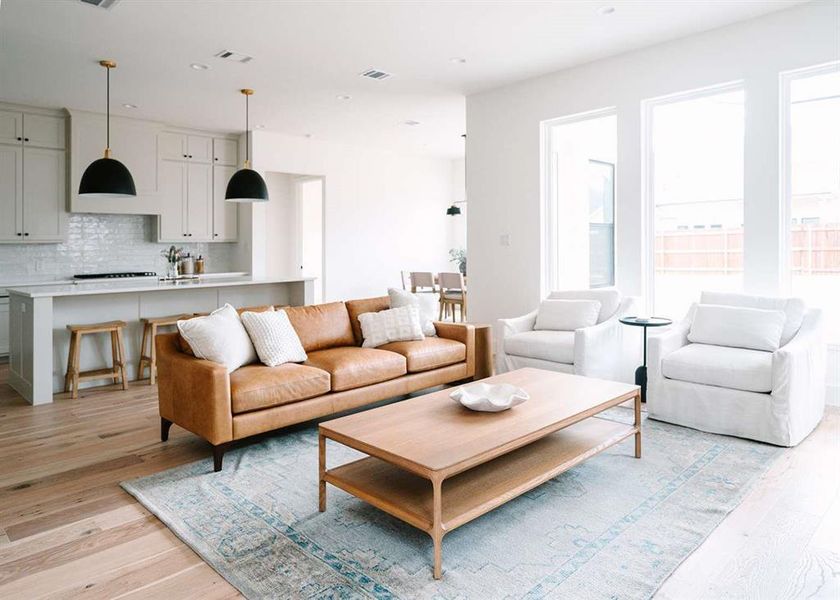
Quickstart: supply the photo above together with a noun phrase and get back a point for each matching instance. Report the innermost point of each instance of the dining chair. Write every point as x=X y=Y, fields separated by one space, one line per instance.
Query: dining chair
x=453 y=292
x=423 y=282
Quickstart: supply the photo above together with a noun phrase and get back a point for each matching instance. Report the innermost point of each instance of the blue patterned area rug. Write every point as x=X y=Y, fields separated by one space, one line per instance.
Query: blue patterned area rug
x=613 y=527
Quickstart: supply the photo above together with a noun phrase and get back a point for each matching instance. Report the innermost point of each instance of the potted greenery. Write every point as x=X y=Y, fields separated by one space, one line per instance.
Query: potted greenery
x=459 y=256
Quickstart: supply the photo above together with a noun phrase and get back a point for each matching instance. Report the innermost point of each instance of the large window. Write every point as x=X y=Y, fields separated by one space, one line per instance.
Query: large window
x=695 y=184
x=579 y=188
x=811 y=171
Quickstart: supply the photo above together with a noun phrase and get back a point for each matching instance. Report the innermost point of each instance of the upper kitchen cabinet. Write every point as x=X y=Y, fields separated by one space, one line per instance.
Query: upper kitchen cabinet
x=134 y=143
x=182 y=146
x=225 y=152
x=33 y=179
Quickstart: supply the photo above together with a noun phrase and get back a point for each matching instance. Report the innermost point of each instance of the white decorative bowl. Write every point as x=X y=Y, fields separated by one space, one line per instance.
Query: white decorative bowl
x=488 y=397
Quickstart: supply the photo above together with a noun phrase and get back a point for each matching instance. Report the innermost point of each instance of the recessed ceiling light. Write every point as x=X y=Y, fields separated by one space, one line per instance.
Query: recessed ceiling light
x=606 y=10
x=343 y=97
x=411 y=123
x=199 y=66
x=260 y=126
x=307 y=135
x=457 y=60
x=127 y=105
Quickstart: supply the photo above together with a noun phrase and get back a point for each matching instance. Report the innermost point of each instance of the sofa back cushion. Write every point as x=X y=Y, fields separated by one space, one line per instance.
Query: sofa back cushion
x=610 y=299
x=794 y=308
x=737 y=327
x=322 y=326
x=360 y=307
x=567 y=315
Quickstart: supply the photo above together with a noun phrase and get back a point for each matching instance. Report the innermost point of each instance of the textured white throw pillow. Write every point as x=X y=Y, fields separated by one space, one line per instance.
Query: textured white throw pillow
x=274 y=338
x=393 y=325
x=567 y=315
x=427 y=304
x=219 y=337
x=736 y=326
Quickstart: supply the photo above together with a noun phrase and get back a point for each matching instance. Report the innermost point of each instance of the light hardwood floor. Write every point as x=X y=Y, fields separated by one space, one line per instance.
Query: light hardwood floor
x=67 y=529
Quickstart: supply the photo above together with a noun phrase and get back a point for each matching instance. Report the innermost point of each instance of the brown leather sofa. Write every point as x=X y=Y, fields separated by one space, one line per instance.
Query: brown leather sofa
x=338 y=375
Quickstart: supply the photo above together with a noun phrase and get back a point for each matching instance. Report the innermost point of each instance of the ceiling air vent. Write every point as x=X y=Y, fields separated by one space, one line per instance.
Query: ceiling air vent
x=375 y=74
x=234 y=56
x=100 y=3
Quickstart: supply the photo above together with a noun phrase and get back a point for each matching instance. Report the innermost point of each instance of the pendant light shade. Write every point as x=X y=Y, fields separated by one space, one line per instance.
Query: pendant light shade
x=107 y=176
x=246 y=185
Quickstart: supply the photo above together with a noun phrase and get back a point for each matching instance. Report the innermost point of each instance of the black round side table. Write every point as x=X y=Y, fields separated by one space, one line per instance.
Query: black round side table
x=644 y=322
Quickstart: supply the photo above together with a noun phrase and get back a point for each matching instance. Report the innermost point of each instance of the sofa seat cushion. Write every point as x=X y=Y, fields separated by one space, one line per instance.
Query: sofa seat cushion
x=733 y=368
x=555 y=346
x=255 y=387
x=352 y=367
x=430 y=353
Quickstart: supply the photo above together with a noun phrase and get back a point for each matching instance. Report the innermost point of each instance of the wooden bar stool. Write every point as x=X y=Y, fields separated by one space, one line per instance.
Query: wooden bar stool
x=116 y=372
x=150 y=330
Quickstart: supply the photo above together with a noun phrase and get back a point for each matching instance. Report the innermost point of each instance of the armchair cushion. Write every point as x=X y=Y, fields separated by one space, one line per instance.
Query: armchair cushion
x=352 y=367
x=794 y=308
x=554 y=346
x=567 y=315
x=610 y=298
x=737 y=327
x=734 y=368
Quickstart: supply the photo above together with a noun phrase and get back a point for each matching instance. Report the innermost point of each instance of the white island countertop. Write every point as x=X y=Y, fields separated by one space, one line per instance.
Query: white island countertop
x=121 y=286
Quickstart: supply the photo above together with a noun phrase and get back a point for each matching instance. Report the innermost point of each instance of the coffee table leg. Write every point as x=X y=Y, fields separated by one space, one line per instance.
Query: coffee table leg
x=637 y=406
x=322 y=467
x=437 y=527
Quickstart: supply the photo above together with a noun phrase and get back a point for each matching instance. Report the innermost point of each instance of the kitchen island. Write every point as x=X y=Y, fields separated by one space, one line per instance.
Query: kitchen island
x=39 y=315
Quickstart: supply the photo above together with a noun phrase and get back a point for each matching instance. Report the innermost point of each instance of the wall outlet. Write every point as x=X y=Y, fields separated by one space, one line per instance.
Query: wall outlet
x=504 y=239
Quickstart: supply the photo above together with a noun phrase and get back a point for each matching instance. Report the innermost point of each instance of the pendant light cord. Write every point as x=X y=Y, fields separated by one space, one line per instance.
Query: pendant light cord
x=247 y=136
x=107 y=108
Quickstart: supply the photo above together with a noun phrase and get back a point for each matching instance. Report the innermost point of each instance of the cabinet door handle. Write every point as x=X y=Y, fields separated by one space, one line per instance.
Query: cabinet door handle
x=185 y=235
x=189 y=235
x=215 y=235
x=25 y=139
x=190 y=155
x=216 y=158
x=20 y=139
x=25 y=234
x=20 y=234
x=185 y=156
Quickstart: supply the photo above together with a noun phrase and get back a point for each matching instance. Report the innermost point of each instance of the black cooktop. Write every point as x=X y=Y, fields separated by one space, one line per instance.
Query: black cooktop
x=115 y=275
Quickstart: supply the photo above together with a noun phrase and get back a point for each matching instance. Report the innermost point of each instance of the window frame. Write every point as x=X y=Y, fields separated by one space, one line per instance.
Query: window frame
x=648 y=172
x=548 y=208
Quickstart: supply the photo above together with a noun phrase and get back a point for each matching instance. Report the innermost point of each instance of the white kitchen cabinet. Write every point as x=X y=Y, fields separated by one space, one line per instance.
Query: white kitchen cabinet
x=181 y=146
x=11 y=127
x=200 y=202
x=44 y=185
x=225 y=214
x=33 y=181
x=4 y=326
x=225 y=152
x=187 y=210
x=11 y=193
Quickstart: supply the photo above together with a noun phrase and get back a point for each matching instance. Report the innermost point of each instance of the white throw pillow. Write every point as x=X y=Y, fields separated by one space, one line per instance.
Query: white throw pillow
x=274 y=338
x=737 y=327
x=427 y=304
x=393 y=325
x=567 y=315
x=219 y=337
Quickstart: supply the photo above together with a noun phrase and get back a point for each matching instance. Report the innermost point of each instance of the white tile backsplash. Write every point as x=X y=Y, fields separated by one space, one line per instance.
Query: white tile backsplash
x=102 y=244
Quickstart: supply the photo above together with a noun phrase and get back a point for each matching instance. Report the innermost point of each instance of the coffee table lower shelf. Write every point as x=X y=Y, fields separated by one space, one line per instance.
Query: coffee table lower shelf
x=476 y=491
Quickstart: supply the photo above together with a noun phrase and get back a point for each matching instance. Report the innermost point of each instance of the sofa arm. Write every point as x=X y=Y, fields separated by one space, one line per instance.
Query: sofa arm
x=460 y=332
x=193 y=393
x=604 y=350
x=662 y=344
x=799 y=366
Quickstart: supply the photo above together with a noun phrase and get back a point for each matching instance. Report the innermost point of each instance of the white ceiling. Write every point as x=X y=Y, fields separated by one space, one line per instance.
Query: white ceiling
x=307 y=53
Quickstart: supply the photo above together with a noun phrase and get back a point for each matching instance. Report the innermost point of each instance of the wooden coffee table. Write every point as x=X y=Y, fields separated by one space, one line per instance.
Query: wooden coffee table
x=474 y=461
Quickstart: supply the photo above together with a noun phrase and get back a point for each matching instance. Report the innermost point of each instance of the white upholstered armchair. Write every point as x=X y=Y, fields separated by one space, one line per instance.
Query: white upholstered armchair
x=606 y=349
x=770 y=395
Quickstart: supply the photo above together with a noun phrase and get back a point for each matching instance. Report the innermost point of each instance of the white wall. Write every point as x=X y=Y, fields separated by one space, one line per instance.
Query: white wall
x=383 y=212
x=503 y=148
x=280 y=215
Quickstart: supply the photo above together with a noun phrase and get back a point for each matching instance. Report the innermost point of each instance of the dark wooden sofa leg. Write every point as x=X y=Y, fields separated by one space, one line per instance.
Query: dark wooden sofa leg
x=164 y=429
x=218 y=454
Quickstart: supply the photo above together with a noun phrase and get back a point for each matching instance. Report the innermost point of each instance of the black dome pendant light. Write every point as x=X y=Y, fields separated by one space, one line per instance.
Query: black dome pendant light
x=246 y=185
x=107 y=176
